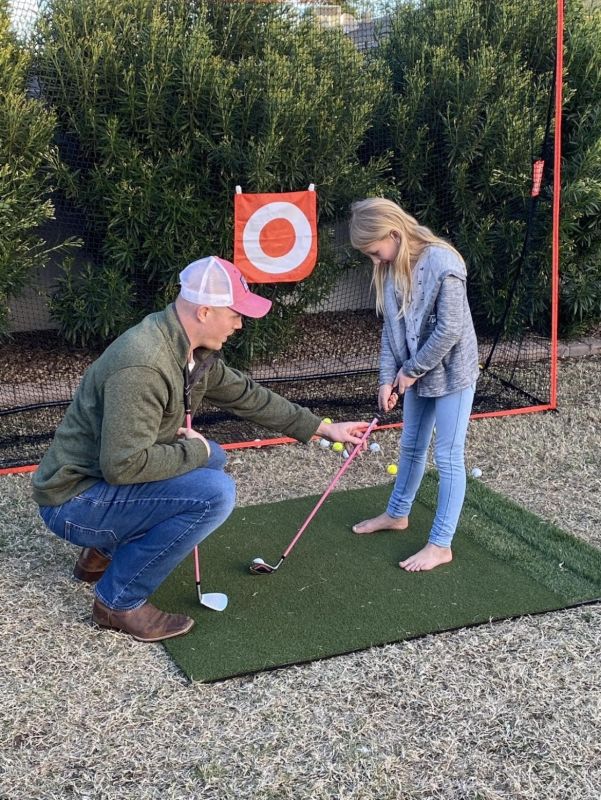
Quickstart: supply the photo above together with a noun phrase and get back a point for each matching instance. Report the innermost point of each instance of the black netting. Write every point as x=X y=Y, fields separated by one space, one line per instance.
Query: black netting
x=141 y=118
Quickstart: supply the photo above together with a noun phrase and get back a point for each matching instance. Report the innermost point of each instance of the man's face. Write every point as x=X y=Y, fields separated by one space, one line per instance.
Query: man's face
x=217 y=325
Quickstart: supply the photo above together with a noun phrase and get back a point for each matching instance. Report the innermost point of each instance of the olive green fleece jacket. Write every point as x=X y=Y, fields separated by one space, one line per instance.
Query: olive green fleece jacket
x=122 y=424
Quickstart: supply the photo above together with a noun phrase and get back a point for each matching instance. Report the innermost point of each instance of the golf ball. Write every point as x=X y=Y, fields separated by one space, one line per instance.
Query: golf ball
x=338 y=447
x=324 y=443
x=344 y=454
x=327 y=420
x=374 y=447
x=392 y=469
x=476 y=472
x=258 y=561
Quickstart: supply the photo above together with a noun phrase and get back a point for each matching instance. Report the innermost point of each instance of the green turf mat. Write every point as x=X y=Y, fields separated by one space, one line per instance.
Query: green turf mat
x=339 y=592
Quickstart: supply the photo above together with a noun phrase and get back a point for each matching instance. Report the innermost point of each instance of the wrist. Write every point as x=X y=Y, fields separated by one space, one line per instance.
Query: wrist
x=324 y=427
x=412 y=370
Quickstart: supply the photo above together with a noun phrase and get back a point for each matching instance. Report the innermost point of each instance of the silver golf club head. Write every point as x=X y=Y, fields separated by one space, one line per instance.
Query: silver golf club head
x=260 y=567
x=216 y=601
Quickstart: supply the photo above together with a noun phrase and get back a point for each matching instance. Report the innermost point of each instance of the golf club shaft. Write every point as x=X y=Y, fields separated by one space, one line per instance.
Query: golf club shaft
x=188 y=413
x=196 y=561
x=333 y=483
x=213 y=600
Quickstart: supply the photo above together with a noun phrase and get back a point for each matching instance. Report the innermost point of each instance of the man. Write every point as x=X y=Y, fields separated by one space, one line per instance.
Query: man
x=125 y=480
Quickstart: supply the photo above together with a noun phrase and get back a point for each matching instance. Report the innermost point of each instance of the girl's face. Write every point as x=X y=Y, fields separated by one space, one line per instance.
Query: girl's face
x=384 y=251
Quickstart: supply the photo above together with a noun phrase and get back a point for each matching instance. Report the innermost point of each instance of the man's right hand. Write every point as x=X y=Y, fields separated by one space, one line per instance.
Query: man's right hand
x=190 y=433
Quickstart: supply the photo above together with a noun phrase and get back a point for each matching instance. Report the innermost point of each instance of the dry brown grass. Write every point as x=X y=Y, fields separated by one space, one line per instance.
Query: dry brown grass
x=500 y=712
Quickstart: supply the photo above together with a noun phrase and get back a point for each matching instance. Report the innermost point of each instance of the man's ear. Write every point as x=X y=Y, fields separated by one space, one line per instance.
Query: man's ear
x=202 y=313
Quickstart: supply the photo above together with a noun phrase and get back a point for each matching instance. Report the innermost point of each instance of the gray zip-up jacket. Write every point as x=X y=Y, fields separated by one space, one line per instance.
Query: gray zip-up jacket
x=435 y=342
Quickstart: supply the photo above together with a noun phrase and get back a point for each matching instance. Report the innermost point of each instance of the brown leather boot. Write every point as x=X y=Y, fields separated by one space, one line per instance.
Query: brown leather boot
x=146 y=623
x=90 y=565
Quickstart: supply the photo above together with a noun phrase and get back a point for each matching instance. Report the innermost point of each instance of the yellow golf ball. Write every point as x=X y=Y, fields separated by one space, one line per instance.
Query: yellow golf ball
x=392 y=469
x=327 y=421
x=338 y=447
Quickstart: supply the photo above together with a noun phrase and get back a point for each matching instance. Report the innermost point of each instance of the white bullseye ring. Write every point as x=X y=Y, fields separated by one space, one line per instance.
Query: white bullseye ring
x=295 y=256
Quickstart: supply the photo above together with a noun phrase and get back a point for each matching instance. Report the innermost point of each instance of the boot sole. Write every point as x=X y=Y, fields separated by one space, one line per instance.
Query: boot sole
x=139 y=638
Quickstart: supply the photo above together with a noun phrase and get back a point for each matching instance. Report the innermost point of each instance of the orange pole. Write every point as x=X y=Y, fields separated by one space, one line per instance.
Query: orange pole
x=556 y=203
x=17 y=470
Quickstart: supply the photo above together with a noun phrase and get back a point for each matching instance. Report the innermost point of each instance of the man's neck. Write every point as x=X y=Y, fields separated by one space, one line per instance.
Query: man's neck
x=187 y=326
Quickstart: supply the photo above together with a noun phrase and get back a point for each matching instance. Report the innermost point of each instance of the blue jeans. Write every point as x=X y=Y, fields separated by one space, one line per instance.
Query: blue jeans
x=146 y=528
x=450 y=414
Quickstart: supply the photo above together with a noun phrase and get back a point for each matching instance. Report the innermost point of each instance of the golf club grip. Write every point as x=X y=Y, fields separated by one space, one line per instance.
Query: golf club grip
x=333 y=483
x=187 y=393
x=196 y=566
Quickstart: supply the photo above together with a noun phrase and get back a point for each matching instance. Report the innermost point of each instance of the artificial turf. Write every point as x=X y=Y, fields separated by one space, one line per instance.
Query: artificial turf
x=339 y=592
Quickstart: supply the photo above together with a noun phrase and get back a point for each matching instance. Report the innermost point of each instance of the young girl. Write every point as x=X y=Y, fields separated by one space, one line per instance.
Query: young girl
x=429 y=355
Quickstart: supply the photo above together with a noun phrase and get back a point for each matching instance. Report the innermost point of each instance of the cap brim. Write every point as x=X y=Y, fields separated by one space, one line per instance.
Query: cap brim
x=251 y=305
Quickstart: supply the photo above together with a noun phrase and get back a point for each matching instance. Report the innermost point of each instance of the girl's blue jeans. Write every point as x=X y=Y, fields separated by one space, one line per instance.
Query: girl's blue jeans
x=450 y=414
x=146 y=528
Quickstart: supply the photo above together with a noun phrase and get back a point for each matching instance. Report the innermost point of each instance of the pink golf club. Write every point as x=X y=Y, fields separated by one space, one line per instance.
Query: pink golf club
x=216 y=601
x=260 y=567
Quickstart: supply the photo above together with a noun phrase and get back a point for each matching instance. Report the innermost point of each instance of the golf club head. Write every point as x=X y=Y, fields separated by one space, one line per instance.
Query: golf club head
x=259 y=567
x=216 y=601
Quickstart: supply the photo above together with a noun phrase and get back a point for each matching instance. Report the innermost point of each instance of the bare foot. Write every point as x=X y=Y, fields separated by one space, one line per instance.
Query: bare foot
x=428 y=557
x=381 y=523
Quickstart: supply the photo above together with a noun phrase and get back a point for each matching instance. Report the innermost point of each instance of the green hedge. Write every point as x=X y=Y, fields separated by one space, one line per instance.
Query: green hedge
x=580 y=220
x=469 y=79
x=163 y=108
x=175 y=104
x=27 y=165
x=468 y=84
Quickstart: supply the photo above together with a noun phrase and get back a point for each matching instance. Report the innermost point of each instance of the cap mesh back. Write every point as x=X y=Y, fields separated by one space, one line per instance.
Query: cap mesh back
x=216 y=286
x=206 y=282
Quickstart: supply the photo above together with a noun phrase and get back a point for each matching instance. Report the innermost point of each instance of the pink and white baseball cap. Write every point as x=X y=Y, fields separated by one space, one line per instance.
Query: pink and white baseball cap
x=213 y=281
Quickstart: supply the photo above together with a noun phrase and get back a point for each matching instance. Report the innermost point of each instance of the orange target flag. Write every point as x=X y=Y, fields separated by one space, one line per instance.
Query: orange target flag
x=275 y=235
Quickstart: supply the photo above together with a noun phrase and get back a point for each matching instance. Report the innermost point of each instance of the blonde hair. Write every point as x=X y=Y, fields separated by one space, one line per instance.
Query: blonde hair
x=376 y=218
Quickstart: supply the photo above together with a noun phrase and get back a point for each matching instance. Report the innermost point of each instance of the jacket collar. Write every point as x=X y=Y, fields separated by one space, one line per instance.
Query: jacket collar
x=176 y=337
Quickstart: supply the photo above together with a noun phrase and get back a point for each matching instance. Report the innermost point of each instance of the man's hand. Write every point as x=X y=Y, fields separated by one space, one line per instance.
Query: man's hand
x=190 y=433
x=349 y=432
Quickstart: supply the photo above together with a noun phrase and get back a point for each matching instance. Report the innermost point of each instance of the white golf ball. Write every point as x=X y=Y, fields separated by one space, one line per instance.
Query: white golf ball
x=374 y=447
x=476 y=472
x=324 y=443
x=258 y=561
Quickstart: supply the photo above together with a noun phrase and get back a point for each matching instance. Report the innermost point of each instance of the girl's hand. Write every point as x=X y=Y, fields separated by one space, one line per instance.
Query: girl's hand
x=387 y=397
x=403 y=382
x=350 y=432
